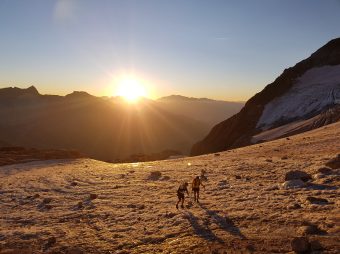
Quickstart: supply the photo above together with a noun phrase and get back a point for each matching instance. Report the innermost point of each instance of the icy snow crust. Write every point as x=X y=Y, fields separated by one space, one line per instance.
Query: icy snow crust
x=45 y=207
x=314 y=90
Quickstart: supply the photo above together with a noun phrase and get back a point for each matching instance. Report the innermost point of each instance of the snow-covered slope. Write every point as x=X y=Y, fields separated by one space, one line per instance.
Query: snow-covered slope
x=303 y=91
x=46 y=207
x=313 y=91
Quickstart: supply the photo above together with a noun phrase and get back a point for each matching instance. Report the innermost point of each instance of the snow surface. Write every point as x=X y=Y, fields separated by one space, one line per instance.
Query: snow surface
x=45 y=206
x=313 y=91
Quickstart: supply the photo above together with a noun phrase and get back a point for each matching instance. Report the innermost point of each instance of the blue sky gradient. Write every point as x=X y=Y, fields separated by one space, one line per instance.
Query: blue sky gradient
x=218 y=49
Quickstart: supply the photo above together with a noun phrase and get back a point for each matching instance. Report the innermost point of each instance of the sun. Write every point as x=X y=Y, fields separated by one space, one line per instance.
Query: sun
x=131 y=90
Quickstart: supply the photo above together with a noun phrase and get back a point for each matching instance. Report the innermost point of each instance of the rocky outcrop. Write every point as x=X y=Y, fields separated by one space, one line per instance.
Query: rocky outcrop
x=238 y=130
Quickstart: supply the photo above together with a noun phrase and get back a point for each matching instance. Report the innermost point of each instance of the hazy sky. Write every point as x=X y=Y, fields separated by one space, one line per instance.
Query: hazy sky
x=204 y=48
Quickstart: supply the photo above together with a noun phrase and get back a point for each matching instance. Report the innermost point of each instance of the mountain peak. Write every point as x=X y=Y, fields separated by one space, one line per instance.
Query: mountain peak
x=79 y=95
x=16 y=91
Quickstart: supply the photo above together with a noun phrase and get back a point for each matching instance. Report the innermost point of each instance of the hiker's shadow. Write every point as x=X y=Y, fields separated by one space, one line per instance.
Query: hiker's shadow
x=223 y=223
x=201 y=230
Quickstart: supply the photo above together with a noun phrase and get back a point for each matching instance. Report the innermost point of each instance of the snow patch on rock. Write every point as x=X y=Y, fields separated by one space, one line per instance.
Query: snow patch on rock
x=314 y=90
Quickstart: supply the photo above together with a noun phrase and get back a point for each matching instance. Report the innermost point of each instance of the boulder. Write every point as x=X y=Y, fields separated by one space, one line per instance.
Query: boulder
x=318 y=201
x=310 y=230
x=318 y=176
x=293 y=184
x=93 y=196
x=300 y=244
x=294 y=206
x=325 y=170
x=155 y=175
x=47 y=200
x=334 y=163
x=297 y=174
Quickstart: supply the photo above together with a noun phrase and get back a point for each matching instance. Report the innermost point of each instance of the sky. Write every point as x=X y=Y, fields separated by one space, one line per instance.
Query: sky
x=219 y=49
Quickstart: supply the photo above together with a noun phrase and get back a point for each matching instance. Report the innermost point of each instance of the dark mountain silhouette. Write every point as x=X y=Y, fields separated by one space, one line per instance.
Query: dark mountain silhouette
x=103 y=128
x=203 y=109
x=301 y=92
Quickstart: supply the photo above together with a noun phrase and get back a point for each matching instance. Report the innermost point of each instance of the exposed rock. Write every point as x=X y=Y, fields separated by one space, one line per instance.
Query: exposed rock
x=47 y=200
x=93 y=196
x=155 y=175
x=314 y=200
x=50 y=241
x=316 y=245
x=318 y=176
x=294 y=206
x=300 y=244
x=334 y=163
x=274 y=187
x=325 y=170
x=80 y=204
x=292 y=184
x=297 y=174
x=310 y=230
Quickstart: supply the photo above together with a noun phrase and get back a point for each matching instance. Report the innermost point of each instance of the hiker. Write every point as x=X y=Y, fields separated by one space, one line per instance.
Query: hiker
x=180 y=193
x=196 y=183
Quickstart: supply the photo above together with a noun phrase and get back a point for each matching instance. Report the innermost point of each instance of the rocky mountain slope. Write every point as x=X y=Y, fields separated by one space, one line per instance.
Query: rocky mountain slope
x=255 y=201
x=301 y=92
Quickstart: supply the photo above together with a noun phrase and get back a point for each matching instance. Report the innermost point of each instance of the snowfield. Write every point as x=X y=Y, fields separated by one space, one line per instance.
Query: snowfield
x=313 y=91
x=88 y=206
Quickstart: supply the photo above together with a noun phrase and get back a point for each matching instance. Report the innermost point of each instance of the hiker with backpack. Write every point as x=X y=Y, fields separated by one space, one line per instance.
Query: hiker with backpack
x=180 y=194
x=196 y=183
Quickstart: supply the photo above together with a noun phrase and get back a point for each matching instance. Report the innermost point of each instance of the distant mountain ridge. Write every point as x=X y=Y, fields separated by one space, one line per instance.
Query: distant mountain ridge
x=297 y=88
x=100 y=127
x=203 y=109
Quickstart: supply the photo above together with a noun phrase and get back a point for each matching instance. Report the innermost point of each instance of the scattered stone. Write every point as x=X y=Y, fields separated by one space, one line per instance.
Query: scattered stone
x=310 y=229
x=131 y=171
x=318 y=201
x=325 y=170
x=36 y=196
x=80 y=204
x=287 y=138
x=292 y=184
x=48 y=207
x=217 y=154
x=269 y=160
x=316 y=245
x=334 y=163
x=47 y=200
x=297 y=174
x=74 y=184
x=284 y=158
x=75 y=250
x=294 y=206
x=300 y=244
x=237 y=177
x=50 y=241
x=93 y=196
x=141 y=207
x=155 y=175
x=318 y=176
x=165 y=178
x=131 y=206
x=169 y=215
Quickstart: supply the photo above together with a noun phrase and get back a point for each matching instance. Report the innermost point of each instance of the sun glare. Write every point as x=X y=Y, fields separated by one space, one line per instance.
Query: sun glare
x=131 y=90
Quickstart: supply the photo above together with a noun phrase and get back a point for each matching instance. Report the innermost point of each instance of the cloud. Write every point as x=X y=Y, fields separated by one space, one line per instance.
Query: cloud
x=64 y=10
